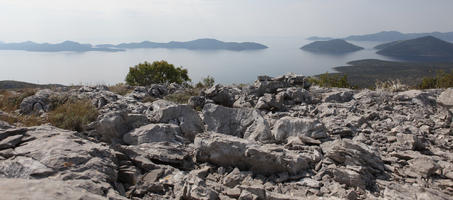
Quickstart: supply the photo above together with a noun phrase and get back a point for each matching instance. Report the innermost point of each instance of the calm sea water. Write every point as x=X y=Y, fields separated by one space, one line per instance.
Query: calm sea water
x=226 y=67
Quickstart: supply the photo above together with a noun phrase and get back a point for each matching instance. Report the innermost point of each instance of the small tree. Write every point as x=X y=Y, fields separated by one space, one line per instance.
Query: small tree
x=206 y=82
x=158 y=72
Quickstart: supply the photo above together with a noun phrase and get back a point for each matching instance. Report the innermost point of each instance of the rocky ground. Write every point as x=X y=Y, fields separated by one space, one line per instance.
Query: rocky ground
x=277 y=139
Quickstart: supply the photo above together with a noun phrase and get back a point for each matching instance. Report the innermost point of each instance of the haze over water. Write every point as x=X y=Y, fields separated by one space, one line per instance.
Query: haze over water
x=282 y=56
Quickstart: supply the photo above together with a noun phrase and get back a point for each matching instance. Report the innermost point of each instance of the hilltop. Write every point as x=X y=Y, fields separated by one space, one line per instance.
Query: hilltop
x=425 y=48
x=335 y=46
x=279 y=138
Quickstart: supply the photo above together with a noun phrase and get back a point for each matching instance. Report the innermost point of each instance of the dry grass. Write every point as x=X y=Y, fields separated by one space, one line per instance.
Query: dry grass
x=183 y=97
x=121 y=89
x=10 y=100
x=73 y=115
x=391 y=86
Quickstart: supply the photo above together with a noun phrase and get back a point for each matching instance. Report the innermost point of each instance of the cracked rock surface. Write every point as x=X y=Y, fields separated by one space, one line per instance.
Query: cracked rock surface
x=277 y=139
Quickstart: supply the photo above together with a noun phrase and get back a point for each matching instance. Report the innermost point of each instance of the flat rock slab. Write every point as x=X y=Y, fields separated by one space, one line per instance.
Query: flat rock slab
x=226 y=150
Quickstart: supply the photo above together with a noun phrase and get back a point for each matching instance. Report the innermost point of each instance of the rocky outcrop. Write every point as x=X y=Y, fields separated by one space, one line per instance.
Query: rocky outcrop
x=239 y=122
x=230 y=151
x=57 y=158
x=278 y=138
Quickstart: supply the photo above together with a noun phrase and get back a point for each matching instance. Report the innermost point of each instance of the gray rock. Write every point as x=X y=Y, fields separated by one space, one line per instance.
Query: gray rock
x=360 y=167
x=112 y=126
x=235 y=178
x=446 y=97
x=37 y=103
x=295 y=95
x=157 y=90
x=338 y=96
x=269 y=102
x=422 y=166
x=221 y=95
x=196 y=101
x=225 y=150
x=154 y=133
x=183 y=115
x=45 y=189
x=10 y=142
x=59 y=155
x=240 y=122
x=292 y=126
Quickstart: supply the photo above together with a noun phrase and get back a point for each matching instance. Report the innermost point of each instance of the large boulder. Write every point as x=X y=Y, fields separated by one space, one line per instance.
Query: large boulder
x=269 y=102
x=229 y=151
x=355 y=164
x=36 y=103
x=112 y=126
x=183 y=115
x=45 y=189
x=48 y=153
x=154 y=133
x=338 y=96
x=292 y=126
x=446 y=97
x=240 y=122
x=158 y=90
x=221 y=95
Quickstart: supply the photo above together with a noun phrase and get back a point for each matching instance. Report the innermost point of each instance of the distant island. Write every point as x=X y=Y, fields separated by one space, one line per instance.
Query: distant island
x=315 y=38
x=200 y=44
x=9 y=84
x=336 y=46
x=388 y=36
x=365 y=73
x=426 y=48
x=47 y=47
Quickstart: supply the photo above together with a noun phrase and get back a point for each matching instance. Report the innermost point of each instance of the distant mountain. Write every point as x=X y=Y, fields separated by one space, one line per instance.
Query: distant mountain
x=200 y=44
x=336 y=46
x=387 y=36
x=315 y=38
x=46 y=47
x=395 y=35
x=427 y=48
x=385 y=45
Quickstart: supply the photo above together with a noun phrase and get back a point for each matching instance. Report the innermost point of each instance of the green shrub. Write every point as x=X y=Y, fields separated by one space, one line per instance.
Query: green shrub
x=441 y=80
x=158 y=72
x=206 y=82
x=73 y=115
x=331 y=80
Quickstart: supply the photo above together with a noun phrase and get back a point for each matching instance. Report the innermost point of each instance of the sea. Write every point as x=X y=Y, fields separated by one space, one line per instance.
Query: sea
x=226 y=67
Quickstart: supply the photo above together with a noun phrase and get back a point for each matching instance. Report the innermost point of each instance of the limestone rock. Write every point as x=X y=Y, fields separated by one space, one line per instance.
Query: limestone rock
x=225 y=150
x=446 y=97
x=291 y=126
x=183 y=115
x=154 y=133
x=240 y=122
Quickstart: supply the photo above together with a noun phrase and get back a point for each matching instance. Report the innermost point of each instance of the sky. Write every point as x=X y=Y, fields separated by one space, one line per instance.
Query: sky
x=114 y=21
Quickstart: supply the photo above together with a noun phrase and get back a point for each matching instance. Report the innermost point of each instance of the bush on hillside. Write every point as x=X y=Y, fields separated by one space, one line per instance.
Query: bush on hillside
x=441 y=80
x=158 y=72
x=331 y=80
x=206 y=82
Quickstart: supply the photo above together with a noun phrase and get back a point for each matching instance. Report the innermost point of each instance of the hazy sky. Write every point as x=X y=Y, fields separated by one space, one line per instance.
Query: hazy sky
x=100 y=21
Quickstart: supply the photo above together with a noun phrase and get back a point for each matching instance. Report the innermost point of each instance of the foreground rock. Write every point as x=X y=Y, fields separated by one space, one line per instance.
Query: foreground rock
x=225 y=150
x=48 y=153
x=278 y=138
